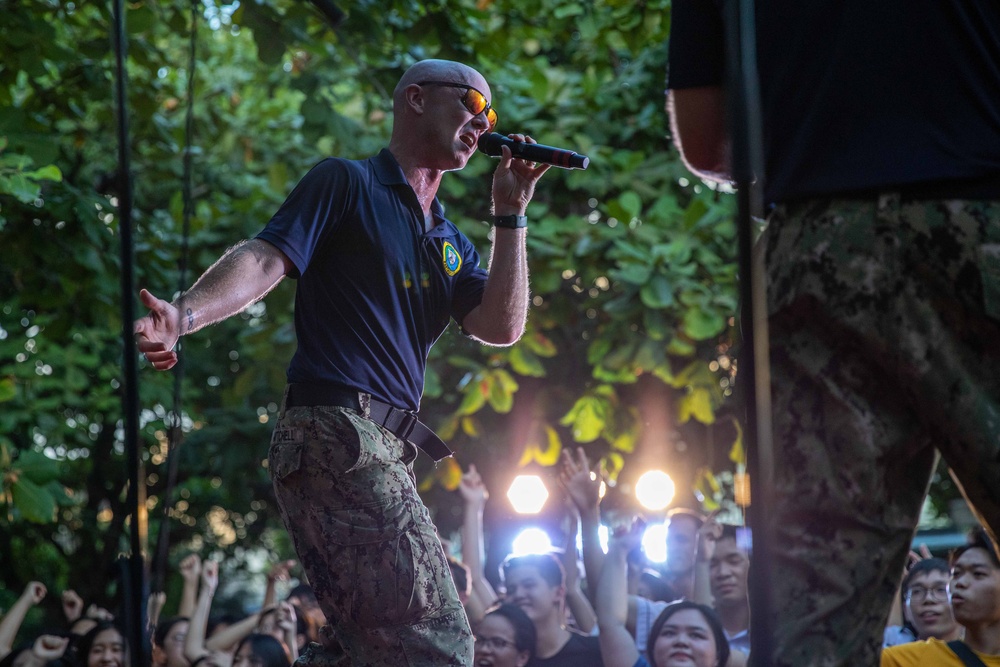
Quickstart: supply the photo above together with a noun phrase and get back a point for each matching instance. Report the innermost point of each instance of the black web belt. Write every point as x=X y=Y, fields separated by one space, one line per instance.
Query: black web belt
x=402 y=423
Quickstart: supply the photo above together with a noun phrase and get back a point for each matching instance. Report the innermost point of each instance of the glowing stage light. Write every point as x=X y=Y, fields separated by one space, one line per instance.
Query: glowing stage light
x=527 y=494
x=531 y=541
x=654 y=490
x=654 y=542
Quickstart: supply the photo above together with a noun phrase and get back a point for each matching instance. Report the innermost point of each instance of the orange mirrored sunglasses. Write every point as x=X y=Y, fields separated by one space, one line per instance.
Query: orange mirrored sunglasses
x=473 y=100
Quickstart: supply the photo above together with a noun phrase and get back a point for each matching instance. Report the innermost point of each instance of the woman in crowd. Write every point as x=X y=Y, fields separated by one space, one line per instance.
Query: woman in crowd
x=260 y=650
x=103 y=646
x=504 y=638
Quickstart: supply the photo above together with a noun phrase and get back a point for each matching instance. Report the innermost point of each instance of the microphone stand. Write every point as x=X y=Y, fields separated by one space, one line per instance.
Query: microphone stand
x=754 y=373
x=134 y=583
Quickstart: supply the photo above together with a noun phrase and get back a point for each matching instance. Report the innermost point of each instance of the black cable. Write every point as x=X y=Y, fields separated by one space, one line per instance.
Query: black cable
x=134 y=586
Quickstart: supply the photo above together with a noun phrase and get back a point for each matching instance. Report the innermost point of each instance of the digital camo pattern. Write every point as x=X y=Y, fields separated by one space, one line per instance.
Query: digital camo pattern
x=885 y=343
x=346 y=493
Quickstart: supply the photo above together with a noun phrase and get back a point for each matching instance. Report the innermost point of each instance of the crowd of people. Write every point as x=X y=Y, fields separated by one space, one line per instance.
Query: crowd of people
x=586 y=608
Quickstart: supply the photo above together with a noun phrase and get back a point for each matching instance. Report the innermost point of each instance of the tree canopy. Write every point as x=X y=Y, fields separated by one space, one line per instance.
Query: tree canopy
x=628 y=351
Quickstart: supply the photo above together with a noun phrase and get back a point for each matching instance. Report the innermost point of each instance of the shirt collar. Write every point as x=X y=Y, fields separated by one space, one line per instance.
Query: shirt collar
x=388 y=172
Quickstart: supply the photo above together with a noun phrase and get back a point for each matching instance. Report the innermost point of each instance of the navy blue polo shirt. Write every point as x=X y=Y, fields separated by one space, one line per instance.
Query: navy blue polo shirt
x=375 y=291
x=863 y=95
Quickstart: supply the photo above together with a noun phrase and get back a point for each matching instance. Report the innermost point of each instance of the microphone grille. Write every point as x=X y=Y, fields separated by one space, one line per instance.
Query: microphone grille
x=490 y=144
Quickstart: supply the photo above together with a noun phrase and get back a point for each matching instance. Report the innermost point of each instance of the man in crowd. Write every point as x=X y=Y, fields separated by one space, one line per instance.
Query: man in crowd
x=537 y=584
x=380 y=272
x=926 y=604
x=881 y=141
x=975 y=597
x=725 y=564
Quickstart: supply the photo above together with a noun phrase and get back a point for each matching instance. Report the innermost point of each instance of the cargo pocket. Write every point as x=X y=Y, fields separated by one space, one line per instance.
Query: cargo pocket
x=384 y=555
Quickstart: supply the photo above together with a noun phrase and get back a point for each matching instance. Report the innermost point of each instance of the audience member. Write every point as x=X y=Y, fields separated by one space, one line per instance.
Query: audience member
x=975 y=599
x=926 y=606
x=724 y=565
x=474 y=496
x=685 y=633
x=505 y=637
x=168 y=643
x=536 y=584
x=682 y=541
x=258 y=650
x=33 y=594
x=103 y=646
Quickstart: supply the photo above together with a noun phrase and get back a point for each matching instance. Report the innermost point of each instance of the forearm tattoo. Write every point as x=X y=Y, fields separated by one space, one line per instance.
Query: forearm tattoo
x=190 y=314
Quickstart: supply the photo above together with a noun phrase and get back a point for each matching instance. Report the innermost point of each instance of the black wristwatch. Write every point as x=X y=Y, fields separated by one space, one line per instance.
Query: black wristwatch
x=510 y=221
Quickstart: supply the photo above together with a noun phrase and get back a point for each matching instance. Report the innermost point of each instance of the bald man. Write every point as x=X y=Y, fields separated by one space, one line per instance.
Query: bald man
x=381 y=272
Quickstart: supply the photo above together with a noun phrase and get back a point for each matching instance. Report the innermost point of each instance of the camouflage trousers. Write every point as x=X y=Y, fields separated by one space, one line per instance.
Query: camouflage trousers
x=885 y=344
x=346 y=492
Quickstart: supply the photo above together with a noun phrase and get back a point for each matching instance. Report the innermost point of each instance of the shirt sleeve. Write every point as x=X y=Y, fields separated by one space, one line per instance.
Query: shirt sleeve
x=310 y=213
x=697 y=47
x=470 y=282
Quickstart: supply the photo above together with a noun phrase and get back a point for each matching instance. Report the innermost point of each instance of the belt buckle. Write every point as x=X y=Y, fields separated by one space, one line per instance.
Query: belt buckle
x=406 y=423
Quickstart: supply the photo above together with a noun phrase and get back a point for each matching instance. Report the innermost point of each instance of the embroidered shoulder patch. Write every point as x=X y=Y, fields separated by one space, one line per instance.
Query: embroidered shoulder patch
x=451 y=259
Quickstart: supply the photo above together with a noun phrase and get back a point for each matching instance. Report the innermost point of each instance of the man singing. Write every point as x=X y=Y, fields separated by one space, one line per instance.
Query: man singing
x=381 y=272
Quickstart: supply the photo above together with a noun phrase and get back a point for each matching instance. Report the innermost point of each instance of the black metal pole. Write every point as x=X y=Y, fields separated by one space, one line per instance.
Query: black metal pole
x=748 y=171
x=135 y=616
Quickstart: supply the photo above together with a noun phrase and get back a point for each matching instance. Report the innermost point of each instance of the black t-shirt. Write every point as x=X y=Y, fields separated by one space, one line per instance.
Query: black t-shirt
x=861 y=94
x=579 y=651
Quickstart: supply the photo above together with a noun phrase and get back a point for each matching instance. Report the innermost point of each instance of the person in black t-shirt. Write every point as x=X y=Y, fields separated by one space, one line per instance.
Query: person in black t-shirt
x=536 y=584
x=881 y=137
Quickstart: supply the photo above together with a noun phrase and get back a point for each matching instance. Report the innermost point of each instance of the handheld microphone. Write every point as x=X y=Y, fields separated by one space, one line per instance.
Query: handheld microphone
x=491 y=142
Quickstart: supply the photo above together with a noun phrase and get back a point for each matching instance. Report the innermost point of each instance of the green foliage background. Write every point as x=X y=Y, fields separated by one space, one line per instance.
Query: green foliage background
x=632 y=261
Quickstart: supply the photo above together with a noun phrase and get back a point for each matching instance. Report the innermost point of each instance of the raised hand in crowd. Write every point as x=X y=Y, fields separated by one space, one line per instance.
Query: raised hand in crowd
x=583 y=487
x=154 y=606
x=708 y=534
x=190 y=570
x=288 y=626
x=72 y=605
x=576 y=602
x=33 y=594
x=474 y=496
x=280 y=571
x=194 y=643
x=45 y=649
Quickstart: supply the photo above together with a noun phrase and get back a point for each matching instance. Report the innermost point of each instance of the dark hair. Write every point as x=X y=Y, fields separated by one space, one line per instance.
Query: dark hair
x=924 y=566
x=304 y=592
x=216 y=621
x=266 y=649
x=87 y=641
x=163 y=629
x=978 y=539
x=524 y=629
x=721 y=643
x=659 y=589
x=686 y=512
x=460 y=573
x=548 y=566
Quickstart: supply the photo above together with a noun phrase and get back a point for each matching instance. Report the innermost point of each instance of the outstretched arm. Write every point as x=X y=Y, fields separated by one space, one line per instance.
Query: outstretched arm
x=33 y=593
x=242 y=276
x=474 y=496
x=194 y=642
x=190 y=569
x=618 y=648
x=583 y=488
x=499 y=319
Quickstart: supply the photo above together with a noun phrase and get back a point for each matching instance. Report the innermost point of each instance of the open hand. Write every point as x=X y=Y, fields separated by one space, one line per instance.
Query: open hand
x=157 y=332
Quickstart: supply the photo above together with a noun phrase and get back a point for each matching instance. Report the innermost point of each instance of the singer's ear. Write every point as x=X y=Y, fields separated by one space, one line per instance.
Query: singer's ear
x=414 y=98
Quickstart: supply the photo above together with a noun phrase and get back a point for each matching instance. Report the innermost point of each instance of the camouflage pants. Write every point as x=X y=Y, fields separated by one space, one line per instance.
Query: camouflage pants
x=346 y=493
x=885 y=344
